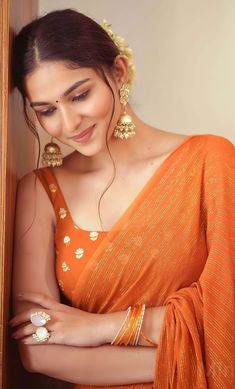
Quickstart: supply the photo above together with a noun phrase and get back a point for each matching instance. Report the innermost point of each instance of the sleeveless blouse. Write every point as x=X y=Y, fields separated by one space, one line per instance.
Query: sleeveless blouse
x=73 y=245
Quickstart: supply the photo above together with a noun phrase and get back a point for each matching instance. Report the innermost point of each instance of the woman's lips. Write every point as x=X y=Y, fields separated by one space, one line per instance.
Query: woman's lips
x=84 y=136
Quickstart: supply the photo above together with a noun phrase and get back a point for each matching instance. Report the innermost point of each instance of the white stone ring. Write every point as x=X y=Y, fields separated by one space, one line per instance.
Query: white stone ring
x=39 y=318
x=41 y=334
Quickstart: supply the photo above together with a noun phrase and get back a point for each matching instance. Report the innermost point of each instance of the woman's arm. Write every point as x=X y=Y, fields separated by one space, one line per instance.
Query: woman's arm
x=71 y=326
x=105 y=365
x=33 y=271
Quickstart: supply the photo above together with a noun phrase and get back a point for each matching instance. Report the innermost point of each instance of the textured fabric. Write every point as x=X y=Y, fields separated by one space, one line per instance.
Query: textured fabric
x=73 y=245
x=174 y=246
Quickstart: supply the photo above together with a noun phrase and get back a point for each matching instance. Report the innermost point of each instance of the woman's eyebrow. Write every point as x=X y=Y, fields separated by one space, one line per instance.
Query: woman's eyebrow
x=69 y=90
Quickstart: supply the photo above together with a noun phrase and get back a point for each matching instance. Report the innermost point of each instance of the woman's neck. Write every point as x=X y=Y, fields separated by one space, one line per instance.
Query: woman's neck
x=123 y=151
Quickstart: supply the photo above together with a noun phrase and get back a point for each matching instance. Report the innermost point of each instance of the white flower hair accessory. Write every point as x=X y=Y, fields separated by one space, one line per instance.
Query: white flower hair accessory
x=123 y=48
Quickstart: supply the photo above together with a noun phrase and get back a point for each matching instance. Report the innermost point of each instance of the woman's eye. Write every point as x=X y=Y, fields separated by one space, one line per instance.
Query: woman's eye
x=51 y=110
x=48 y=112
x=81 y=96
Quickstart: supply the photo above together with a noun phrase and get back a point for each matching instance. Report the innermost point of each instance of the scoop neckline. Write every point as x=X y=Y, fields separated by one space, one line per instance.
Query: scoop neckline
x=160 y=168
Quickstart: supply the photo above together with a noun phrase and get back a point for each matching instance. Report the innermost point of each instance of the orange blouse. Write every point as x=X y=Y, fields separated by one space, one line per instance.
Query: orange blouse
x=73 y=245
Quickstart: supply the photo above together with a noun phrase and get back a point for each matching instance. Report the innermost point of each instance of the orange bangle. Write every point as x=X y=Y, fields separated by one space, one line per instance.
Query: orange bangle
x=129 y=333
x=114 y=341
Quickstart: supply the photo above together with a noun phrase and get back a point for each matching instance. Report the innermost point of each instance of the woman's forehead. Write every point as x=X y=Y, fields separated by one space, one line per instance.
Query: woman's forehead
x=54 y=78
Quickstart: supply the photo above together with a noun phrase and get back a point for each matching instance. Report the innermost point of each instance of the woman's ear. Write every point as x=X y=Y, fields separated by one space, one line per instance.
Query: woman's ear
x=120 y=70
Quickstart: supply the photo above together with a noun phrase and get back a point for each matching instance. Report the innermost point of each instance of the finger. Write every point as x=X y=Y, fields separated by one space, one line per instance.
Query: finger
x=29 y=340
x=24 y=331
x=39 y=298
x=25 y=316
x=28 y=330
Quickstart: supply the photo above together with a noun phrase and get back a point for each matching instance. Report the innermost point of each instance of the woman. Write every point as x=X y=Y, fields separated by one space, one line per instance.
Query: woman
x=135 y=230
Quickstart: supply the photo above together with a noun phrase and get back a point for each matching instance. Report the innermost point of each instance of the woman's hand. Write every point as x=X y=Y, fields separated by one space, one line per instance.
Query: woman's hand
x=68 y=325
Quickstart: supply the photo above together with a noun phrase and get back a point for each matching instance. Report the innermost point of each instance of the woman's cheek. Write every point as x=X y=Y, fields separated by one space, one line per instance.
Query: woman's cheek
x=51 y=126
x=99 y=106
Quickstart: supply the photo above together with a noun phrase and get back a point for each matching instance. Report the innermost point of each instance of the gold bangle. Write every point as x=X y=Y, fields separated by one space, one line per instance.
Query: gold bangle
x=118 y=333
x=126 y=332
x=140 y=324
x=129 y=333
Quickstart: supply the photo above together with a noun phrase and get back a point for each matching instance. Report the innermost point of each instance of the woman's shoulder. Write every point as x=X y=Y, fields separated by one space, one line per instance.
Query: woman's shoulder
x=31 y=175
x=28 y=182
x=31 y=191
x=170 y=140
x=213 y=142
x=211 y=146
x=216 y=153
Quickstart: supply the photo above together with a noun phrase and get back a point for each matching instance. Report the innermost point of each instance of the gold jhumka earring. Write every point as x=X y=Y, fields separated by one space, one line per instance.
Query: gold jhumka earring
x=125 y=127
x=52 y=155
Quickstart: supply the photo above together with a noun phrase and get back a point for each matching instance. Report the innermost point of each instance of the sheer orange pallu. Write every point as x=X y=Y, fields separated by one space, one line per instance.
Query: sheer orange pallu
x=175 y=246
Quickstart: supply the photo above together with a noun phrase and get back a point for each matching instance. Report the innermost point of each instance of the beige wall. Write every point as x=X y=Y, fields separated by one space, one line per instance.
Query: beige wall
x=185 y=59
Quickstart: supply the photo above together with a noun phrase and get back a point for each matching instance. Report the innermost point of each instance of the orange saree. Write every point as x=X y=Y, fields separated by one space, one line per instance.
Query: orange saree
x=175 y=246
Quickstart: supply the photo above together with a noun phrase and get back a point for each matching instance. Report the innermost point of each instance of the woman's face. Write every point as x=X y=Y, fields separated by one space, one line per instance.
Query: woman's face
x=73 y=102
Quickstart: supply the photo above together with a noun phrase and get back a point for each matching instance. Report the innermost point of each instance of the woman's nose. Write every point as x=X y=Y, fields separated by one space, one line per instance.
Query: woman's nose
x=71 y=120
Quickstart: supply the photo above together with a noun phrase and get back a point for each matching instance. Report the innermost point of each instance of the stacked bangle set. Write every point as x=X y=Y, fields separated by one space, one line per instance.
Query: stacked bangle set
x=130 y=330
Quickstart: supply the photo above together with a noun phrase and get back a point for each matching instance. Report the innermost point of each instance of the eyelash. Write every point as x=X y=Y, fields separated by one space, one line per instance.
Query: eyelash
x=50 y=111
x=82 y=96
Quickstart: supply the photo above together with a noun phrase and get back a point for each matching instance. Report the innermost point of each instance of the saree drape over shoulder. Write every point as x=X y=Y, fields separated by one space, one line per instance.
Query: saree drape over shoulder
x=175 y=246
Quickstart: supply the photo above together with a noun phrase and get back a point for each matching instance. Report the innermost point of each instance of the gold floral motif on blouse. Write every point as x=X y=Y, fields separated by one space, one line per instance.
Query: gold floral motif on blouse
x=52 y=188
x=62 y=213
x=93 y=235
x=79 y=253
x=67 y=240
x=65 y=267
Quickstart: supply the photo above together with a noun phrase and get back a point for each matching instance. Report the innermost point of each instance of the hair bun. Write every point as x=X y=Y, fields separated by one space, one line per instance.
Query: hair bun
x=123 y=48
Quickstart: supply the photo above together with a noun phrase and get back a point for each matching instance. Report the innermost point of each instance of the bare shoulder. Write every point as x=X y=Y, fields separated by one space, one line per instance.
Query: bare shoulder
x=31 y=195
x=171 y=138
x=164 y=142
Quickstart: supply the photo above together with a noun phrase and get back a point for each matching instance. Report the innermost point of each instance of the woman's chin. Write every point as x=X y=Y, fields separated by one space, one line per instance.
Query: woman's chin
x=91 y=150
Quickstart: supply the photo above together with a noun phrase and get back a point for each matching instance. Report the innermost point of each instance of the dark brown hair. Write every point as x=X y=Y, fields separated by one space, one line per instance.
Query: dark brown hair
x=64 y=35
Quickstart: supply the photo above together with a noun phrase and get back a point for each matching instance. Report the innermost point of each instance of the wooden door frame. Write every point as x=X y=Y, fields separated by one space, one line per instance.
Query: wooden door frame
x=13 y=15
x=5 y=225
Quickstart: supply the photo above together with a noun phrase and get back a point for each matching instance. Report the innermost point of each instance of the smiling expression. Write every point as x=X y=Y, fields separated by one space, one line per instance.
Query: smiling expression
x=69 y=102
